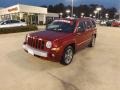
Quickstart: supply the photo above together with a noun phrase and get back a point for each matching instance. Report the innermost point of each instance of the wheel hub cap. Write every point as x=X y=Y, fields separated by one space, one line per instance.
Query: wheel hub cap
x=68 y=56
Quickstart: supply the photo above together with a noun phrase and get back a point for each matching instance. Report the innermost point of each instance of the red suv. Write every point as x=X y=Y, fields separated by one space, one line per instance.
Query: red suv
x=61 y=39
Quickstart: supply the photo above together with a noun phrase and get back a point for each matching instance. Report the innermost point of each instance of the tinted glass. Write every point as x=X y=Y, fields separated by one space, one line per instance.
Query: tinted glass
x=62 y=26
x=7 y=22
x=81 y=27
x=89 y=24
x=14 y=21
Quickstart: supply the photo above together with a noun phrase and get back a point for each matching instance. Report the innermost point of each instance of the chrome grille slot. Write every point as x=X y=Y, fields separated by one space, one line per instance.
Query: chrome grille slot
x=39 y=44
x=42 y=44
x=33 y=42
x=36 y=43
x=28 y=41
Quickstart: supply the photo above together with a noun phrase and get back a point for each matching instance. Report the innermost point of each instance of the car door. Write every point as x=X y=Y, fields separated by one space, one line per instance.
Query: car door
x=89 y=30
x=81 y=34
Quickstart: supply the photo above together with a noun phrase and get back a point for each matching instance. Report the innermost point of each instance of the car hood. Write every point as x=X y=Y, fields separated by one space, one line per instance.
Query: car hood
x=50 y=35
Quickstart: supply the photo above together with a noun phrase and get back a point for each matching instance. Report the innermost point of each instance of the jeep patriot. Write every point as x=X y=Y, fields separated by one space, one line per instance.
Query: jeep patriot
x=61 y=39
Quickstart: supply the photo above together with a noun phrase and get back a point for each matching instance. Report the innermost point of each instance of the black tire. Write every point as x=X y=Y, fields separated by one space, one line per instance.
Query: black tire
x=67 y=55
x=92 y=42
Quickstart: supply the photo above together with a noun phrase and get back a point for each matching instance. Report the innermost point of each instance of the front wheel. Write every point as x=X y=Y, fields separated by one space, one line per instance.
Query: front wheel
x=67 y=56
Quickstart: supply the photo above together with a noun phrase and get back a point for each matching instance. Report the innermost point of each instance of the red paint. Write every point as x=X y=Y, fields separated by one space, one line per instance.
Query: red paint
x=60 y=40
x=116 y=24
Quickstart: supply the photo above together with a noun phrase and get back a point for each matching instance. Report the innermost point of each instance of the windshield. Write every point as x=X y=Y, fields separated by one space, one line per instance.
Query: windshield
x=62 y=26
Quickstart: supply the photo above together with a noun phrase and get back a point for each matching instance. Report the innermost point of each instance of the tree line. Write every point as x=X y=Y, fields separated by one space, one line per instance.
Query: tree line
x=86 y=9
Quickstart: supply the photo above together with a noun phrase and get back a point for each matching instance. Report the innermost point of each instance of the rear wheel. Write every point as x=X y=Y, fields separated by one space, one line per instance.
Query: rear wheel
x=67 y=55
x=92 y=42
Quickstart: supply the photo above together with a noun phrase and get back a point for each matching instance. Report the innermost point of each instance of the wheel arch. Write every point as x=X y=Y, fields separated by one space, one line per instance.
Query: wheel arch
x=72 y=45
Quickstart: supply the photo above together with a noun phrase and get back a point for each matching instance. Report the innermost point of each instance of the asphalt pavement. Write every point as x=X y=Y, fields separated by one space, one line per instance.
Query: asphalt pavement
x=95 y=68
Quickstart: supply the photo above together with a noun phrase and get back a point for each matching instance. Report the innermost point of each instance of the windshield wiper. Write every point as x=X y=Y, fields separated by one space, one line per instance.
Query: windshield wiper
x=55 y=29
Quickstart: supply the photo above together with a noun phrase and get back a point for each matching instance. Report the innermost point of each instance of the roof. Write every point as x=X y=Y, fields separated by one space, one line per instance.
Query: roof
x=23 y=8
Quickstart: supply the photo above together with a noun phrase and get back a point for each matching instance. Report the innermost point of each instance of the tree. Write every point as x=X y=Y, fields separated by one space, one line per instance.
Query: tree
x=111 y=12
x=59 y=8
x=51 y=8
x=86 y=9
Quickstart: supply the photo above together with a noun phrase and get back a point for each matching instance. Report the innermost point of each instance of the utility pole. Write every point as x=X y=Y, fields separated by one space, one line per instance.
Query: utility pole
x=72 y=7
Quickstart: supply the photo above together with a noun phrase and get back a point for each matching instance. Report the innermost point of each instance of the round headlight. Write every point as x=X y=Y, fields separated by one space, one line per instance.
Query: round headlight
x=48 y=44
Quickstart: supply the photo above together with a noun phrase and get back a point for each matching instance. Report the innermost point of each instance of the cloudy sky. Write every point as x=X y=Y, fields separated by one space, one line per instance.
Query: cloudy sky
x=106 y=3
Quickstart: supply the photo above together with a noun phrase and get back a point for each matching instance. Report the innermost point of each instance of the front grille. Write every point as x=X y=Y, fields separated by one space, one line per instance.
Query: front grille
x=36 y=43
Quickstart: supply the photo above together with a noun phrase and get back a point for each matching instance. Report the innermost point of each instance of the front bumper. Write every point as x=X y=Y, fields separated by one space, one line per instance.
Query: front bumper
x=34 y=51
x=47 y=55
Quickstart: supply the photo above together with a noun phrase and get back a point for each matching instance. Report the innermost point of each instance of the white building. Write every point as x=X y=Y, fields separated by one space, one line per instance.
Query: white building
x=30 y=14
x=0 y=9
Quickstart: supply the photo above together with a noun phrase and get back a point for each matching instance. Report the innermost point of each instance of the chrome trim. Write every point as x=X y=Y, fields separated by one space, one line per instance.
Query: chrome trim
x=36 y=51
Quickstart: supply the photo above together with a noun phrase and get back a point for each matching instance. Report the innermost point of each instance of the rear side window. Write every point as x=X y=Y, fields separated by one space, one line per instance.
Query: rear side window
x=81 y=27
x=88 y=24
x=93 y=23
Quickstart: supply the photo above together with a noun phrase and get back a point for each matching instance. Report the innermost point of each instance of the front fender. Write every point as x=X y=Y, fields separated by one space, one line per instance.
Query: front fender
x=66 y=44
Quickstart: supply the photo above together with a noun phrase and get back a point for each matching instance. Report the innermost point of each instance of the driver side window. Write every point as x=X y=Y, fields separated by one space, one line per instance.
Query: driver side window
x=81 y=27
